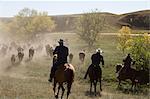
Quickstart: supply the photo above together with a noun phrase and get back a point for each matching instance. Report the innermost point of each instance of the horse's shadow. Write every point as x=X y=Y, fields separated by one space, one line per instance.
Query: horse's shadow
x=132 y=91
x=92 y=94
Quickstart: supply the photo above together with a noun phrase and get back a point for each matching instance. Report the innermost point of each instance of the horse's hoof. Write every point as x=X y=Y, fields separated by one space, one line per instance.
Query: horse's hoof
x=56 y=96
x=101 y=89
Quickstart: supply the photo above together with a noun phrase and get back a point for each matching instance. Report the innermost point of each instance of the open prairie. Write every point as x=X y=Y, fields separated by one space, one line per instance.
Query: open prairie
x=29 y=79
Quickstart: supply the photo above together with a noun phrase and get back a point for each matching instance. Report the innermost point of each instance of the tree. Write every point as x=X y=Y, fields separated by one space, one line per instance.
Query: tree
x=124 y=38
x=138 y=46
x=140 y=50
x=89 y=26
x=27 y=23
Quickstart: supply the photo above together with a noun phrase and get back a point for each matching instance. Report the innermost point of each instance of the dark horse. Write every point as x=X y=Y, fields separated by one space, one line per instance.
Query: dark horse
x=94 y=76
x=122 y=75
x=63 y=75
x=136 y=77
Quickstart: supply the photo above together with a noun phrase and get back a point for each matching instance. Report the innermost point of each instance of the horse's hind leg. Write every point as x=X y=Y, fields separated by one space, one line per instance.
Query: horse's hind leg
x=69 y=88
x=63 y=90
x=54 y=88
x=133 y=84
x=56 y=96
x=100 y=81
x=95 y=84
x=91 y=87
x=119 y=84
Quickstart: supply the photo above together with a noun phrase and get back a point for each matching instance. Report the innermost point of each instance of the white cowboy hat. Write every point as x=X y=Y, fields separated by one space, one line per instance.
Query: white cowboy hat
x=99 y=50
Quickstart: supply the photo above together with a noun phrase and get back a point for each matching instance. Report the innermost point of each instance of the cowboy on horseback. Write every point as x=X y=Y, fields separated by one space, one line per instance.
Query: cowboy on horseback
x=128 y=61
x=96 y=59
x=62 y=53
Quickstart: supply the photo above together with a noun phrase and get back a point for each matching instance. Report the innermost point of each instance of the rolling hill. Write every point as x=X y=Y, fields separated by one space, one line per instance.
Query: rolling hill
x=139 y=20
x=136 y=20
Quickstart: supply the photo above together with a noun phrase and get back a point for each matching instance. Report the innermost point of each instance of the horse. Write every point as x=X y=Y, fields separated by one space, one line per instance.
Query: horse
x=136 y=77
x=63 y=75
x=94 y=76
x=122 y=75
x=70 y=57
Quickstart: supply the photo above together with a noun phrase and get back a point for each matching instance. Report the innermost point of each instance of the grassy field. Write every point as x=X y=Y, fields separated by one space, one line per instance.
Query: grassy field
x=29 y=80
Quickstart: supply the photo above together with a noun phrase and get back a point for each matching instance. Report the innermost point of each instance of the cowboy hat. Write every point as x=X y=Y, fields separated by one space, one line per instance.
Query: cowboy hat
x=61 y=41
x=99 y=50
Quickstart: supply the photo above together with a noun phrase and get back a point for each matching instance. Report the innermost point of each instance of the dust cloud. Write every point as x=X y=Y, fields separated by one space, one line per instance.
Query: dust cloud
x=9 y=46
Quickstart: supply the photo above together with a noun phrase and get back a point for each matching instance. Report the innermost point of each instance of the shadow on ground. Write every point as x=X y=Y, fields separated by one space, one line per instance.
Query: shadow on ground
x=92 y=94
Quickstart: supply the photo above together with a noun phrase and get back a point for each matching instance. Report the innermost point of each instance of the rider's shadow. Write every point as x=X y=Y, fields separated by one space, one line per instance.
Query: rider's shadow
x=92 y=94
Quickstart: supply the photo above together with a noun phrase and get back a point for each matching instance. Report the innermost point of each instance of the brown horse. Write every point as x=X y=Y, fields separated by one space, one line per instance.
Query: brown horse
x=63 y=75
x=95 y=76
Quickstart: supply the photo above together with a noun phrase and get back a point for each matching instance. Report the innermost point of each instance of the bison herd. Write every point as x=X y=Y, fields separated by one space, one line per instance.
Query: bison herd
x=18 y=51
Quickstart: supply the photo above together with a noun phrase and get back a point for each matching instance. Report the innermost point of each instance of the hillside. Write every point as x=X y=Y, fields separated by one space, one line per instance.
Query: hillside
x=136 y=20
x=139 y=20
x=67 y=22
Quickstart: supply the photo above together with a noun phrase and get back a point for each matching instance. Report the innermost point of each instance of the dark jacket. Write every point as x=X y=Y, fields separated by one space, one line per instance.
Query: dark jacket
x=127 y=62
x=62 y=53
x=97 y=58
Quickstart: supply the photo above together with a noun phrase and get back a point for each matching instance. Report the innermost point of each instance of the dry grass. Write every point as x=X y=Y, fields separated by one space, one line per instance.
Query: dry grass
x=28 y=80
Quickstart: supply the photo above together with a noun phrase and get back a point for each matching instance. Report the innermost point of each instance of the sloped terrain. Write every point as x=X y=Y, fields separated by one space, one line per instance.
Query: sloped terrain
x=139 y=20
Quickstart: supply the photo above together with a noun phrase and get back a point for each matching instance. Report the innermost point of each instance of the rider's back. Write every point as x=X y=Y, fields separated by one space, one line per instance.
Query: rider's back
x=96 y=58
x=62 y=53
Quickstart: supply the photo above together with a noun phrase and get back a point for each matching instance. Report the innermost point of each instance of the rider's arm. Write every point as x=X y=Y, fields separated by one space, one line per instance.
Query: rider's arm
x=67 y=52
x=102 y=60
